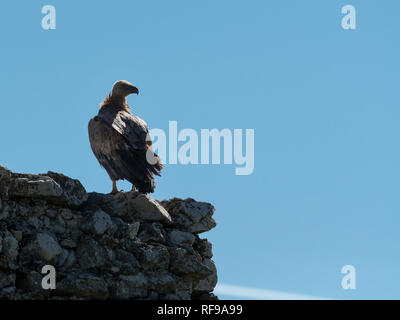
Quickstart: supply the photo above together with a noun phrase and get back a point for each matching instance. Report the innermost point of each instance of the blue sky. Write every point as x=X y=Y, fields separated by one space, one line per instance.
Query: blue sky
x=323 y=102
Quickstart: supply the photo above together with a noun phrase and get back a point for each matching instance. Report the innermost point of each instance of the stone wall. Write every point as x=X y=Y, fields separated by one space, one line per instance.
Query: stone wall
x=127 y=246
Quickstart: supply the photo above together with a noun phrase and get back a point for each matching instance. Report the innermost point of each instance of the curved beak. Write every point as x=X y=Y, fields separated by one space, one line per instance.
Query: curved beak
x=133 y=89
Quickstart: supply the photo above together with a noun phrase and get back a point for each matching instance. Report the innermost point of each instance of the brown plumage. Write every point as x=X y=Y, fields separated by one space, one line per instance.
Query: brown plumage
x=121 y=141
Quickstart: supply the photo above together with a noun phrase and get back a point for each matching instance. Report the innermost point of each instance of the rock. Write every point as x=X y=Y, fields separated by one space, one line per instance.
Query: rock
x=126 y=262
x=68 y=243
x=102 y=247
x=208 y=284
x=73 y=191
x=32 y=282
x=152 y=295
x=204 y=248
x=4 y=212
x=52 y=187
x=205 y=296
x=185 y=264
x=17 y=234
x=66 y=214
x=100 y=222
x=51 y=213
x=90 y=254
x=46 y=247
x=8 y=293
x=62 y=258
x=6 y=280
x=36 y=223
x=184 y=288
x=71 y=259
x=193 y=216
x=34 y=186
x=5 y=177
x=170 y=297
x=10 y=246
x=128 y=287
x=152 y=232
x=181 y=238
x=133 y=229
x=85 y=286
x=142 y=207
x=163 y=283
x=152 y=258
x=101 y=201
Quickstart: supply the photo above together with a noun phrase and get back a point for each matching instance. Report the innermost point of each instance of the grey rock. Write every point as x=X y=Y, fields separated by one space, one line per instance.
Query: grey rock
x=100 y=222
x=62 y=258
x=142 y=207
x=34 y=186
x=85 y=286
x=208 y=284
x=126 y=262
x=71 y=259
x=162 y=282
x=103 y=247
x=152 y=295
x=183 y=295
x=171 y=296
x=6 y=279
x=32 y=281
x=90 y=254
x=5 y=177
x=204 y=248
x=152 y=232
x=66 y=214
x=133 y=229
x=186 y=264
x=8 y=293
x=10 y=246
x=68 y=243
x=129 y=287
x=101 y=201
x=51 y=213
x=36 y=223
x=17 y=234
x=184 y=288
x=135 y=281
x=193 y=216
x=153 y=258
x=60 y=221
x=4 y=213
x=181 y=238
x=73 y=191
x=46 y=247
x=205 y=296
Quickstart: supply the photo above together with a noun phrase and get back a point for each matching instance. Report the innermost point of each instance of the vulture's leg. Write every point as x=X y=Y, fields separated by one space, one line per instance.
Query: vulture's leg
x=114 y=182
x=133 y=188
x=114 y=189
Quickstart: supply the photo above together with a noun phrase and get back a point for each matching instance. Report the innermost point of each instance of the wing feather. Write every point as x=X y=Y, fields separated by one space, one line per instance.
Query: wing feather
x=120 y=146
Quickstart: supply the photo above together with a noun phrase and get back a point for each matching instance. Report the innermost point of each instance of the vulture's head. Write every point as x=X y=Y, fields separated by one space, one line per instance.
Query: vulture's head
x=122 y=89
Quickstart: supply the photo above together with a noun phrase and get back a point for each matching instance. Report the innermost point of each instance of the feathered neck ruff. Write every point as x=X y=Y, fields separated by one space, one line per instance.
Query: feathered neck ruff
x=116 y=101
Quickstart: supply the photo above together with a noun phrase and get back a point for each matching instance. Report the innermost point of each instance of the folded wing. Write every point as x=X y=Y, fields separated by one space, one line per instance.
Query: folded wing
x=122 y=145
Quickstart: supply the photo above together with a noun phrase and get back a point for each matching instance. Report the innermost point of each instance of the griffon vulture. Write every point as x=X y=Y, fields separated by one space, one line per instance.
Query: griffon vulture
x=121 y=141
